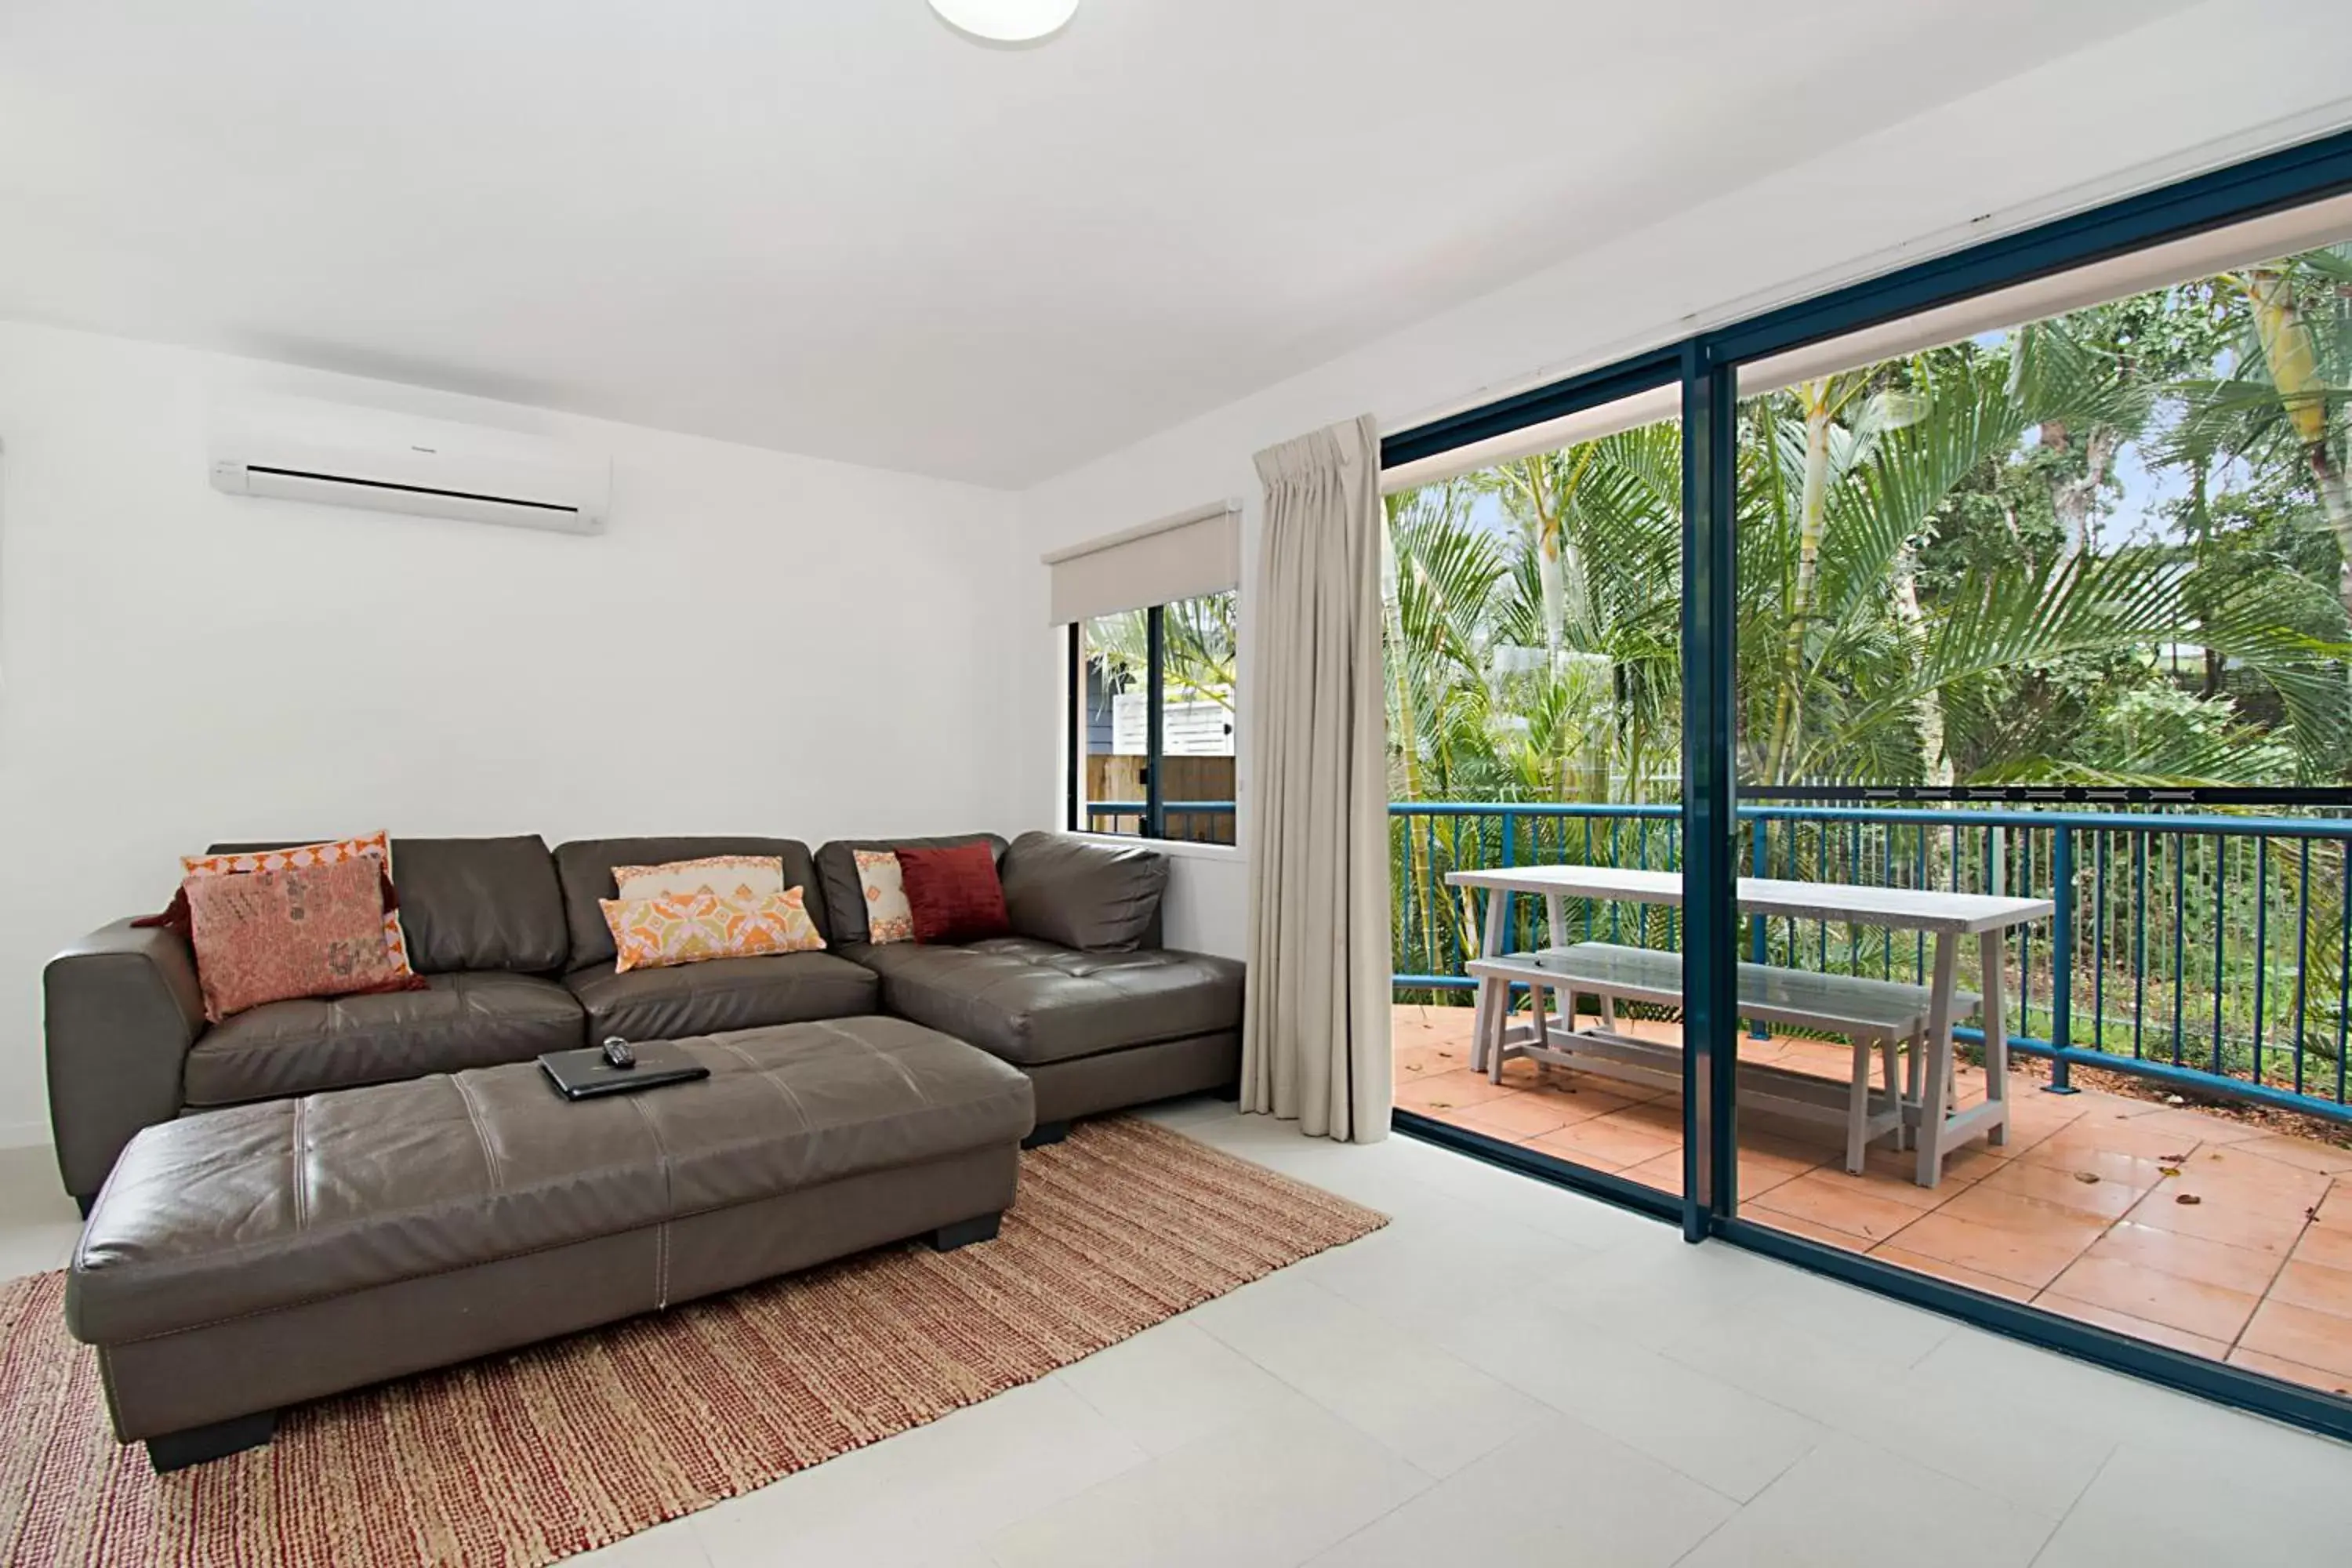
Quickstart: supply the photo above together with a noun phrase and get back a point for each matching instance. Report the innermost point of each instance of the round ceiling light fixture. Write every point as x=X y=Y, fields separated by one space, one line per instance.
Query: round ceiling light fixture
x=1006 y=21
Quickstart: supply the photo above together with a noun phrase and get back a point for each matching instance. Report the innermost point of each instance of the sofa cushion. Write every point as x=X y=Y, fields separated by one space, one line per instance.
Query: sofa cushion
x=952 y=894
x=720 y=994
x=584 y=867
x=481 y=903
x=845 y=891
x=471 y=903
x=1032 y=1001
x=1096 y=897
x=458 y=1021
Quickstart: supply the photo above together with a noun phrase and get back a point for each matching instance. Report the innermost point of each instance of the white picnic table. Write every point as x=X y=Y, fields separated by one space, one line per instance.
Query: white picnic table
x=1947 y=917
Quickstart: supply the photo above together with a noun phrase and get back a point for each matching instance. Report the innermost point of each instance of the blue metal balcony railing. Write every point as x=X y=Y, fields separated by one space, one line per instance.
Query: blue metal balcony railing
x=2212 y=952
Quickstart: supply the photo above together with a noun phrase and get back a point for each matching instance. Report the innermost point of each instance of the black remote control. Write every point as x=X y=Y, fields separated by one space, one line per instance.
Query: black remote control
x=617 y=1052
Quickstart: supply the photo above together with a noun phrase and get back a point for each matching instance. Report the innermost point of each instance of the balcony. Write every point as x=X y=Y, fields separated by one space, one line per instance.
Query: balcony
x=2193 y=1186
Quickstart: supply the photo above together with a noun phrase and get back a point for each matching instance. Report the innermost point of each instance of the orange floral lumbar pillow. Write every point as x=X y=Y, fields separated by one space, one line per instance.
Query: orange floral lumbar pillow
x=314 y=930
x=728 y=876
x=376 y=847
x=692 y=928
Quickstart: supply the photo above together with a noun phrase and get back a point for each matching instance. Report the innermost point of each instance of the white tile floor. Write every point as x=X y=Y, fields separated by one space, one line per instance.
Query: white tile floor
x=1509 y=1373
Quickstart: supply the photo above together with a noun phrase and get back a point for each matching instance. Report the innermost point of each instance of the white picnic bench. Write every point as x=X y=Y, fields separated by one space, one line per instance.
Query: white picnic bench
x=1881 y=1017
x=1878 y=1015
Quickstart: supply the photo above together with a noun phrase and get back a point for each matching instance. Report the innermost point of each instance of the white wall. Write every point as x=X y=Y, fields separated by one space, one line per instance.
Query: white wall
x=759 y=643
x=2202 y=89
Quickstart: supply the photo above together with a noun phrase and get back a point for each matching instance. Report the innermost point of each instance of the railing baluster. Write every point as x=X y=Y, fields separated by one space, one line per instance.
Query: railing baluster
x=2302 y=948
x=2061 y=954
x=2139 y=943
x=2262 y=941
x=2343 y=964
x=2221 y=936
x=2180 y=947
x=2099 y=940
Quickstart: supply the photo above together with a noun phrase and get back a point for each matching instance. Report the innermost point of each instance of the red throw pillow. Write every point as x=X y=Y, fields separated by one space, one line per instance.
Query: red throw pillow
x=954 y=893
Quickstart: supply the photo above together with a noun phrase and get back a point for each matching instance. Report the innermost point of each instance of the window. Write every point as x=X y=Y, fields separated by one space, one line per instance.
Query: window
x=1150 y=675
x=1154 y=694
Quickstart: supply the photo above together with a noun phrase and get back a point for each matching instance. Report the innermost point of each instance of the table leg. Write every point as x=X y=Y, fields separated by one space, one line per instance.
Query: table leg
x=1939 y=1061
x=1494 y=995
x=1556 y=918
x=1991 y=947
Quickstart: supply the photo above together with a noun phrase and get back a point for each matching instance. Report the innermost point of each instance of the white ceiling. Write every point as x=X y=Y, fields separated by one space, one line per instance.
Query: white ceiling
x=836 y=227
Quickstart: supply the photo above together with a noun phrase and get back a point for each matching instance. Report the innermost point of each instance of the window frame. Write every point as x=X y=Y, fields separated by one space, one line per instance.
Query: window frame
x=1078 y=815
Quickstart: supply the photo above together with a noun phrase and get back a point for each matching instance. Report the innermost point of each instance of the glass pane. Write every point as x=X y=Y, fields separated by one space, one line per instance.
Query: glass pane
x=1534 y=702
x=2101 y=550
x=1112 y=654
x=1197 y=718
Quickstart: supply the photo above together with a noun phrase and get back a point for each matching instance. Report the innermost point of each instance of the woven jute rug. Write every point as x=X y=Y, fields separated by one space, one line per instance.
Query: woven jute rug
x=524 y=1459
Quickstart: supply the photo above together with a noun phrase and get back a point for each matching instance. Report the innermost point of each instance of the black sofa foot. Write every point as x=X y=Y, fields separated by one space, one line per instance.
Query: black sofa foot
x=201 y=1444
x=1046 y=1133
x=1229 y=1091
x=963 y=1232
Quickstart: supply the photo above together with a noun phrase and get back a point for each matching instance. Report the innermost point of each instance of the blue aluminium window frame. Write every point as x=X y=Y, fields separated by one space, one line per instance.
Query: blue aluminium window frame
x=1706 y=366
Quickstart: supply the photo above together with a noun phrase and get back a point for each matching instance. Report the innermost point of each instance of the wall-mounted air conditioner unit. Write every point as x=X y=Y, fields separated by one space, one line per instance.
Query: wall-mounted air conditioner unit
x=347 y=456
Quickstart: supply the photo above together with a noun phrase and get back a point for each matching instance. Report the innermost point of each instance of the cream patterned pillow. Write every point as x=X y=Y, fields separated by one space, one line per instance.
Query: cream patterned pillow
x=728 y=876
x=888 y=917
x=691 y=928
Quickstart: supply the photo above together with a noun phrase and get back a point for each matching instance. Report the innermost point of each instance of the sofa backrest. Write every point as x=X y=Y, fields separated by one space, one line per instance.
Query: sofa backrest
x=845 y=895
x=1084 y=894
x=584 y=867
x=471 y=903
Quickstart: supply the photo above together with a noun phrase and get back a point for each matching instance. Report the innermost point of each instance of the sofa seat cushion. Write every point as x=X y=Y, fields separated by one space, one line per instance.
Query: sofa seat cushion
x=1032 y=1001
x=460 y=1020
x=720 y=994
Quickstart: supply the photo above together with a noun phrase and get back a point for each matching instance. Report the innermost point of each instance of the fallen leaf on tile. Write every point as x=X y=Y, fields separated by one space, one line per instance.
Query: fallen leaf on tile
x=2167 y=1170
x=2172 y=1159
x=2174 y=1100
x=2189 y=1198
x=2088 y=1178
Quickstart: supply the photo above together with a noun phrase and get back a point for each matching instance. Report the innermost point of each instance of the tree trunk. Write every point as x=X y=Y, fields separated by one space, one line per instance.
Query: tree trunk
x=1789 y=707
x=1551 y=547
x=1408 y=736
x=2075 y=500
x=2293 y=361
x=1928 y=713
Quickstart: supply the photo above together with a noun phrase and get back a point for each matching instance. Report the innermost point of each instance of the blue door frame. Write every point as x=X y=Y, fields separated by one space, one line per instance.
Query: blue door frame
x=1706 y=367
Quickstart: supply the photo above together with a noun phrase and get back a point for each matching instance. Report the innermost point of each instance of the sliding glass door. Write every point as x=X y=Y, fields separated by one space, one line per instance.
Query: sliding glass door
x=1872 y=782
x=1532 y=589
x=2064 y=564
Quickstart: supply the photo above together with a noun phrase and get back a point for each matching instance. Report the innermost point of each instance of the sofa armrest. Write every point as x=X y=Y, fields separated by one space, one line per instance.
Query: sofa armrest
x=121 y=1006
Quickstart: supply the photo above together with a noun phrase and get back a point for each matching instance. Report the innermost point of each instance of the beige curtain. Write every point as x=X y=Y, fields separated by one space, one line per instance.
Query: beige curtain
x=1315 y=1031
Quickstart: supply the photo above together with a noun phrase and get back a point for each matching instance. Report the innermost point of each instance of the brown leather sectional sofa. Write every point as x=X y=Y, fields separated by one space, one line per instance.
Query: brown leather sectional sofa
x=1082 y=998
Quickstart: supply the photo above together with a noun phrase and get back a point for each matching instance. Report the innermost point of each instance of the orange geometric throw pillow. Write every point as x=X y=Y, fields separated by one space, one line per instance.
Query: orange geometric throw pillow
x=692 y=928
x=298 y=931
x=374 y=847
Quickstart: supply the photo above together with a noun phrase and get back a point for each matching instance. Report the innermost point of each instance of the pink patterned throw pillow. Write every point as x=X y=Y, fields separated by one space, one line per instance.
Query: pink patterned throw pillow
x=297 y=931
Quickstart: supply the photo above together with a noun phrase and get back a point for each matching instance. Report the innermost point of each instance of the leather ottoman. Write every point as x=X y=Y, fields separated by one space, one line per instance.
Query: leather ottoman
x=247 y=1259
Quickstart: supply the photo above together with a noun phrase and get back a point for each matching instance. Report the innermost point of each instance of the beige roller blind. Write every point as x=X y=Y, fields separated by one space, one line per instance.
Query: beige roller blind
x=1180 y=557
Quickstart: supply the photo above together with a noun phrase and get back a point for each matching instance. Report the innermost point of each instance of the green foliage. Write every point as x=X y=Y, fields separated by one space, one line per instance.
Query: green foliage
x=1927 y=588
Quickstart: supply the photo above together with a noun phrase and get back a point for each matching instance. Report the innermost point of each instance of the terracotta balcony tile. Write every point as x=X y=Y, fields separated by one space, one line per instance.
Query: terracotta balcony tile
x=2209 y=1312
